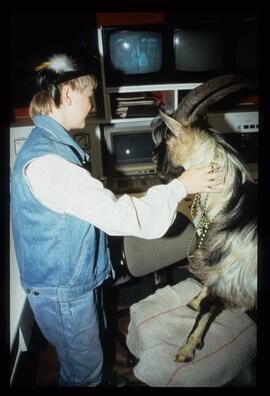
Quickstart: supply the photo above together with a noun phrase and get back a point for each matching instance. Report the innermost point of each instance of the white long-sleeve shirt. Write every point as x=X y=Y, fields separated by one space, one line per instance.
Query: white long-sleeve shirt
x=68 y=188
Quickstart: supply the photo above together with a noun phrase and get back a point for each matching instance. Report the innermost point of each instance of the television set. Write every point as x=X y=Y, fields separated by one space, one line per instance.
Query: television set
x=136 y=55
x=200 y=53
x=129 y=149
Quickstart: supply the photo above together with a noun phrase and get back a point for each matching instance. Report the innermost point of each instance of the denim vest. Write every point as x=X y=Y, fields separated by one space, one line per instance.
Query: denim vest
x=54 y=250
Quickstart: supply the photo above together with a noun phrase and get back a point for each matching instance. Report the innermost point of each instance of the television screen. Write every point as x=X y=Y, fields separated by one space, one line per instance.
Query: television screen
x=198 y=50
x=133 y=148
x=136 y=55
x=136 y=52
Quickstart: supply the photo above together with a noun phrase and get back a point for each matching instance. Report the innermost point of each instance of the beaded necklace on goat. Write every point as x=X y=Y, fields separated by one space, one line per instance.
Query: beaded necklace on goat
x=204 y=223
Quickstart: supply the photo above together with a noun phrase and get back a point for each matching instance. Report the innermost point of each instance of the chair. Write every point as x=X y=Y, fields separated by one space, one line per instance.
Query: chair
x=134 y=257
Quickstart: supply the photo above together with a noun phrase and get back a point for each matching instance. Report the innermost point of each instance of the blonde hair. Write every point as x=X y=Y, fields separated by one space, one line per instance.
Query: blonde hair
x=42 y=102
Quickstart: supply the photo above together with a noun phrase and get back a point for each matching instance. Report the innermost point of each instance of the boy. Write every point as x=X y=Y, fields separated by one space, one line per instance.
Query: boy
x=60 y=215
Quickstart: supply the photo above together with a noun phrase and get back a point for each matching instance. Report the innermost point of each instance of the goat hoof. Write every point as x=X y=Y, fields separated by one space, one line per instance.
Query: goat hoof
x=183 y=359
x=184 y=355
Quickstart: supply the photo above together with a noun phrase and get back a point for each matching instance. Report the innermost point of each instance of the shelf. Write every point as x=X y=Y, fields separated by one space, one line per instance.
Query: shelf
x=162 y=97
x=125 y=120
x=154 y=87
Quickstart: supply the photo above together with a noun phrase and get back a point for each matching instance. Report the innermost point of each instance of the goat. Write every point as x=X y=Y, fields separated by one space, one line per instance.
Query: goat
x=225 y=260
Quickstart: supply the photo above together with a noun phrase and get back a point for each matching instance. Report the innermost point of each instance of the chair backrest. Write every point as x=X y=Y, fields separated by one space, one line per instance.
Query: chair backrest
x=143 y=256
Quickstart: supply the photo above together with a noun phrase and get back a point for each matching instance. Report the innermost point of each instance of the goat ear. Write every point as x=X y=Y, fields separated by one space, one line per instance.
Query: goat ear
x=175 y=127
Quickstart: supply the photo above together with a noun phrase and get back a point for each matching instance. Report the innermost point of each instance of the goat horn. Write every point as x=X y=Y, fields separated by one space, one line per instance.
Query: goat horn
x=195 y=102
x=201 y=109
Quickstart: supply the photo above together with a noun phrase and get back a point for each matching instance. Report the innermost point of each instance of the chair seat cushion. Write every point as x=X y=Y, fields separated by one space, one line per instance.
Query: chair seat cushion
x=160 y=323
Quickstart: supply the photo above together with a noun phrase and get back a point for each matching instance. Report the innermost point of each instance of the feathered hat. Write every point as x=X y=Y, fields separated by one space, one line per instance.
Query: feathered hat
x=57 y=69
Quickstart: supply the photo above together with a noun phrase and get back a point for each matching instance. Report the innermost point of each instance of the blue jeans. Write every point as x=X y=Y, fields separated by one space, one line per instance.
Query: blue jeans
x=71 y=325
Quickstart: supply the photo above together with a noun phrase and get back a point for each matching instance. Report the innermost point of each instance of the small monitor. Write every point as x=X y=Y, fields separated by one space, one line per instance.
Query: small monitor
x=129 y=149
x=132 y=148
x=198 y=50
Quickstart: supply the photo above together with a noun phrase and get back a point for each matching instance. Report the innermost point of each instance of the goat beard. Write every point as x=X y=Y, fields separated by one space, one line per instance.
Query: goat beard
x=165 y=168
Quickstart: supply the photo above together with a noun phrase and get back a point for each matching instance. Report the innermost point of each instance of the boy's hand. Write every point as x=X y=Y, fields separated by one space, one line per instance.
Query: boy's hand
x=201 y=178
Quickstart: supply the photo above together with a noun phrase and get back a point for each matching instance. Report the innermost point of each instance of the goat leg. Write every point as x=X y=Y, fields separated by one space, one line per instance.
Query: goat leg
x=196 y=301
x=209 y=309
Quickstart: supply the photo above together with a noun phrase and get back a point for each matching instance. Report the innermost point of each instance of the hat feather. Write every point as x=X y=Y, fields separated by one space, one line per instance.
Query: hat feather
x=61 y=63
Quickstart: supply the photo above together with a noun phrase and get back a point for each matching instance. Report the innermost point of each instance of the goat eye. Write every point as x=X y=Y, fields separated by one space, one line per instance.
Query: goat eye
x=168 y=135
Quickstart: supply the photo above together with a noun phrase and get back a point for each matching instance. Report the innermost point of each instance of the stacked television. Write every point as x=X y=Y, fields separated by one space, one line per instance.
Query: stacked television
x=186 y=52
x=137 y=57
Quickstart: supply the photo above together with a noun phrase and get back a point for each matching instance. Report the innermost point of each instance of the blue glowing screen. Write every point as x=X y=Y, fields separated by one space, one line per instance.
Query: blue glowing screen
x=136 y=52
